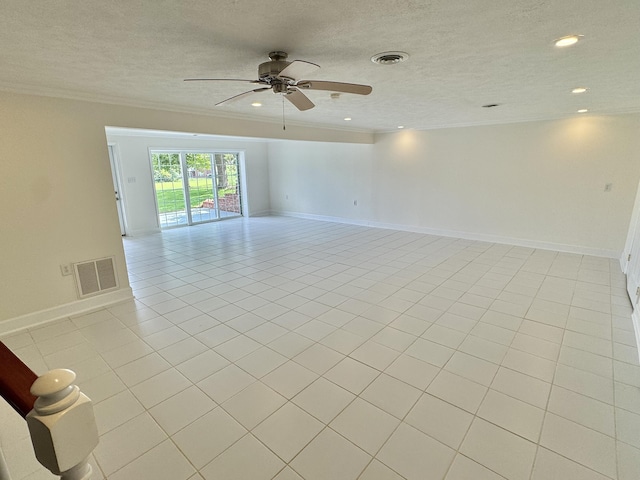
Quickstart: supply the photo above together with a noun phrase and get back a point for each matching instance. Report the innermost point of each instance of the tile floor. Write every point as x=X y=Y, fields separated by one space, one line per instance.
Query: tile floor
x=279 y=348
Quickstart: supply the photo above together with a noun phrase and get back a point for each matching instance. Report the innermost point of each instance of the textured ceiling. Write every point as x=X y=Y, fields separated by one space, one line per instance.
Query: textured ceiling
x=463 y=54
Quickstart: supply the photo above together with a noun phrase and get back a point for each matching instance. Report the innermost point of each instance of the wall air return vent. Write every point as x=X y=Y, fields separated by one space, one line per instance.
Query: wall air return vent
x=95 y=276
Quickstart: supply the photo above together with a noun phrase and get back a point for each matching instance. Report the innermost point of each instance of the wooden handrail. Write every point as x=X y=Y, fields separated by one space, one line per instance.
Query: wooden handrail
x=15 y=381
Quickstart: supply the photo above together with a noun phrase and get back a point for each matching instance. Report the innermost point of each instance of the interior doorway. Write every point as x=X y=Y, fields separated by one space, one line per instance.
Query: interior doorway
x=194 y=187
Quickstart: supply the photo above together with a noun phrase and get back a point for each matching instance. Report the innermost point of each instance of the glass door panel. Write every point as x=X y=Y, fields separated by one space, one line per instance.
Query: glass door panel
x=169 y=188
x=228 y=184
x=203 y=200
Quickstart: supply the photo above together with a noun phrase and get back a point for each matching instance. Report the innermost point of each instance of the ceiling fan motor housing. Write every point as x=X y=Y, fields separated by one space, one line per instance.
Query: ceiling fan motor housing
x=272 y=68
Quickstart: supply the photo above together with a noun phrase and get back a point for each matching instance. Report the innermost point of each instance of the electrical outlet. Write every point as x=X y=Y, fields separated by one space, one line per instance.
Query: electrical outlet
x=66 y=270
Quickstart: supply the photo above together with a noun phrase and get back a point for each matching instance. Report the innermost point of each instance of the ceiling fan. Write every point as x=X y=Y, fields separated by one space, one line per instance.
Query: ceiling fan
x=287 y=78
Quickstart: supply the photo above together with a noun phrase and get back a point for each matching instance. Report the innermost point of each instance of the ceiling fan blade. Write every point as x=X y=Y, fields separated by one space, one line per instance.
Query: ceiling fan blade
x=335 y=87
x=219 y=80
x=299 y=100
x=242 y=95
x=298 y=69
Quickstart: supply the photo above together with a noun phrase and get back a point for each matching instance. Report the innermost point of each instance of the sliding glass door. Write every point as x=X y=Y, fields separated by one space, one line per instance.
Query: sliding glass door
x=195 y=187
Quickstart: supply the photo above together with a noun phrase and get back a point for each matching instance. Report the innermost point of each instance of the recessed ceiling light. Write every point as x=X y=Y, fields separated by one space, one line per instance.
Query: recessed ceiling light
x=256 y=104
x=579 y=90
x=347 y=119
x=567 y=41
x=400 y=126
x=583 y=110
x=389 y=58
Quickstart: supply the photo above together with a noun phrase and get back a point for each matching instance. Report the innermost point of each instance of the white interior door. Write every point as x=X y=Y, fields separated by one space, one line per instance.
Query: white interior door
x=116 y=189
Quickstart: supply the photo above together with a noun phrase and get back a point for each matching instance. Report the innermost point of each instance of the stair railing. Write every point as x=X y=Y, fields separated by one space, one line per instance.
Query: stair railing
x=60 y=418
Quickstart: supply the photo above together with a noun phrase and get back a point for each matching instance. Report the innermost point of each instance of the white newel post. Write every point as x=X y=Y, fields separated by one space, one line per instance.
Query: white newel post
x=62 y=425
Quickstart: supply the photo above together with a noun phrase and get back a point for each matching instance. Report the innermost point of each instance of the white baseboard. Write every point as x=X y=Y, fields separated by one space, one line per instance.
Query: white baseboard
x=261 y=213
x=142 y=232
x=78 y=307
x=635 y=318
x=482 y=237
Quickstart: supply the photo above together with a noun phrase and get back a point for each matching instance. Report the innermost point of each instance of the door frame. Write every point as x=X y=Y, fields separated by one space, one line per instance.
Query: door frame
x=114 y=160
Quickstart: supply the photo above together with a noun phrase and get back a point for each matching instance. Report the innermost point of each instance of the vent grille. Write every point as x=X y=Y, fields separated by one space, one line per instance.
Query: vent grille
x=95 y=276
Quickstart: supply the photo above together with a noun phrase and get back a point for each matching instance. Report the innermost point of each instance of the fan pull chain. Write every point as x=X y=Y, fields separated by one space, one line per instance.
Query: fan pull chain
x=283 y=125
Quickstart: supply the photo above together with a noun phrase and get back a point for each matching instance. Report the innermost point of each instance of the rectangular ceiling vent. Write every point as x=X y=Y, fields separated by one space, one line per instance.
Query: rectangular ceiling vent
x=95 y=276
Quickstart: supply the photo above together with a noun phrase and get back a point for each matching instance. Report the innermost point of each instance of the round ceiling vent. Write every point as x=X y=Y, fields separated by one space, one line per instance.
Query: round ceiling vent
x=389 y=58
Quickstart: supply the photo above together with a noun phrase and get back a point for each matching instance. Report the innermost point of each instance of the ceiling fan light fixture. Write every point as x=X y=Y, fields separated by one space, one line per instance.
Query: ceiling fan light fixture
x=567 y=41
x=389 y=58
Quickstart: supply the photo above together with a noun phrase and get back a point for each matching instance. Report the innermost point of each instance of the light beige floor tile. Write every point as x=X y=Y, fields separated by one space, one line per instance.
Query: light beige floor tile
x=233 y=464
x=127 y=442
x=441 y=420
x=511 y=414
x=458 y=391
x=583 y=410
x=116 y=410
x=412 y=371
x=352 y=375
x=203 y=365
x=365 y=425
x=253 y=404
x=391 y=395
x=323 y=399
x=536 y=346
x=585 y=383
x=529 y=364
x=141 y=369
x=287 y=474
x=551 y=466
x=182 y=351
x=430 y=352
x=444 y=336
x=411 y=453
x=290 y=344
x=464 y=468
x=627 y=397
x=318 y=358
x=485 y=349
x=628 y=427
x=225 y=383
x=330 y=456
x=261 y=362
x=472 y=368
x=160 y=387
x=289 y=379
x=208 y=437
x=181 y=409
x=378 y=471
x=499 y=450
x=164 y=462
x=628 y=462
x=287 y=431
x=580 y=444
x=394 y=339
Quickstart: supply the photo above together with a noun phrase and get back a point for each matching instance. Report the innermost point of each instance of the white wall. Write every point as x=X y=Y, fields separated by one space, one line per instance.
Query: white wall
x=137 y=183
x=538 y=184
x=56 y=193
x=321 y=179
